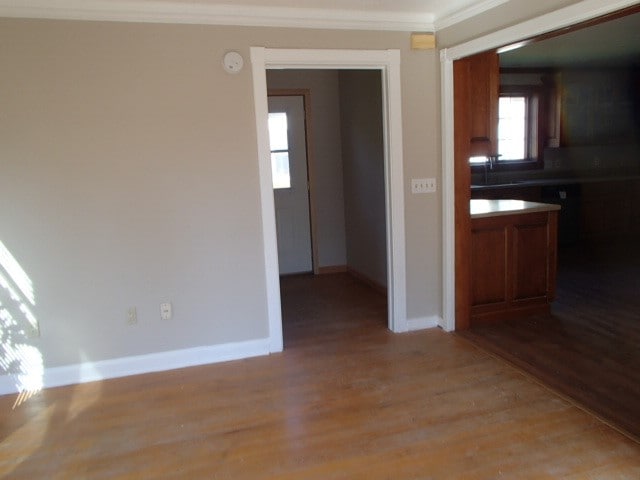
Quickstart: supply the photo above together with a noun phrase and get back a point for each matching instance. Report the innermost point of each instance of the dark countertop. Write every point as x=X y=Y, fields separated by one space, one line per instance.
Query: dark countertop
x=545 y=182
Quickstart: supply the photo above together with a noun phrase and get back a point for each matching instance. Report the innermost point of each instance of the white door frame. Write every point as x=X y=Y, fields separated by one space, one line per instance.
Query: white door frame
x=576 y=13
x=388 y=62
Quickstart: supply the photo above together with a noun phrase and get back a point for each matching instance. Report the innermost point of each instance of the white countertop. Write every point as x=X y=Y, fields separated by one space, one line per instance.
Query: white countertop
x=492 y=208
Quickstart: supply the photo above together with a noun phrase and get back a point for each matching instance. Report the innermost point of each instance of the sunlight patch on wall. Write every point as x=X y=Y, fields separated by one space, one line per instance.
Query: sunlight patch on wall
x=17 y=273
x=18 y=359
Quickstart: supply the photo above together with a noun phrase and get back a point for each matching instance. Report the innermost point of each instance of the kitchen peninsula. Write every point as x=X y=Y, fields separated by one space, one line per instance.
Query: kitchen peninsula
x=513 y=258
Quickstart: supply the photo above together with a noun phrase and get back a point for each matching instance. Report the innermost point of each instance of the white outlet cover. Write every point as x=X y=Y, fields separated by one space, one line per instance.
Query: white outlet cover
x=132 y=316
x=165 y=311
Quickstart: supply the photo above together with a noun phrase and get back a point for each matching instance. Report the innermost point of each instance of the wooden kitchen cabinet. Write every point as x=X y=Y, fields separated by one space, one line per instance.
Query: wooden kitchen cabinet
x=553 y=106
x=513 y=265
x=484 y=92
x=610 y=209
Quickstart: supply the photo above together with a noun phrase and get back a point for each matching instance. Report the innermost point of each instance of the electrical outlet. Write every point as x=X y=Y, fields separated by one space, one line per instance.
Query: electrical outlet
x=165 y=311
x=132 y=316
x=32 y=331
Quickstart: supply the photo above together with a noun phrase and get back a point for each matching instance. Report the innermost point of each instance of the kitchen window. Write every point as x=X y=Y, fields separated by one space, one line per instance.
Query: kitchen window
x=512 y=127
x=518 y=126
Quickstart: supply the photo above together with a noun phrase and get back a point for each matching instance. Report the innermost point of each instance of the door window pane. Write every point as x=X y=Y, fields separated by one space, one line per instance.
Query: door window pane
x=279 y=142
x=278 y=131
x=280 y=170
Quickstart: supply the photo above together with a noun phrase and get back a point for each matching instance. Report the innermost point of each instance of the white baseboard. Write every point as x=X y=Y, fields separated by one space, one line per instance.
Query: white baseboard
x=423 y=323
x=135 y=365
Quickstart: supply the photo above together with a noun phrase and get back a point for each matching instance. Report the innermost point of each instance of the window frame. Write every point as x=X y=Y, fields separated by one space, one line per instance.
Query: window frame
x=535 y=111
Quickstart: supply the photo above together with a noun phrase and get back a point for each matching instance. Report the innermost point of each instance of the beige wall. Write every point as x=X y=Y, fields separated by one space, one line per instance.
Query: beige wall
x=130 y=177
x=327 y=157
x=363 y=159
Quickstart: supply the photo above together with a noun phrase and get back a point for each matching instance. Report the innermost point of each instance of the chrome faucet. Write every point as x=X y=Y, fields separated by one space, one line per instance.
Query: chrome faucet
x=490 y=162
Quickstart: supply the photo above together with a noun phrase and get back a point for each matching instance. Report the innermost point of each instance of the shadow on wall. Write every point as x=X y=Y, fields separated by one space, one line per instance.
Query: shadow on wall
x=19 y=360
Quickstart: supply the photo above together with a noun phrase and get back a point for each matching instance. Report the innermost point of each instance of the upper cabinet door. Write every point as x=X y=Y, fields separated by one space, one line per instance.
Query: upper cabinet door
x=484 y=72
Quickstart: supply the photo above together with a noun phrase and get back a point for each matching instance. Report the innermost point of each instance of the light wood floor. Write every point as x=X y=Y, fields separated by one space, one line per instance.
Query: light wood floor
x=346 y=399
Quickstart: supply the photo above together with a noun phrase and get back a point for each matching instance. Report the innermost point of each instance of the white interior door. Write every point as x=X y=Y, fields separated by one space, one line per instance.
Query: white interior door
x=291 y=185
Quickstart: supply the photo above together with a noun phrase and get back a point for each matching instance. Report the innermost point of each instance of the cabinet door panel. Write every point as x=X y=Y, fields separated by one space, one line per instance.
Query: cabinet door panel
x=530 y=261
x=489 y=266
x=484 y=92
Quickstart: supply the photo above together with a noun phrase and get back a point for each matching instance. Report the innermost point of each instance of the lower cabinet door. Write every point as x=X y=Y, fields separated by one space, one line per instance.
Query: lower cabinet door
x=513 y=265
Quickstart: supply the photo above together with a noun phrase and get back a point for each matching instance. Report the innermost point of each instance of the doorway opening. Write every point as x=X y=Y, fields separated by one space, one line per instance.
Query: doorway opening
x=595 y=313
x=387 y=62
x=343 y=208
x=456 y=179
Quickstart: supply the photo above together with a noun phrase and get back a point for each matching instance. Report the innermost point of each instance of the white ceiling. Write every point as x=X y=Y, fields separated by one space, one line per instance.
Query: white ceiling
x=404 y=15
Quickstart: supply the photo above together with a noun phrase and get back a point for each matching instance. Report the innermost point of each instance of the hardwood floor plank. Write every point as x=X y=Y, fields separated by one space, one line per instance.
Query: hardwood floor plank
x=346 y=399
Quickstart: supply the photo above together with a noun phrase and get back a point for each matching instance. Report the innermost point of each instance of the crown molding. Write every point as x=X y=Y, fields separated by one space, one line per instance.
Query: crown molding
x=477 y=8
x=191 y=13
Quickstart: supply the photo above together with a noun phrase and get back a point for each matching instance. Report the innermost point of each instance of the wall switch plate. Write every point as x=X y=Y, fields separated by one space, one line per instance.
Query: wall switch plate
x=423 y=185
x=165 y=311
x=431 y=185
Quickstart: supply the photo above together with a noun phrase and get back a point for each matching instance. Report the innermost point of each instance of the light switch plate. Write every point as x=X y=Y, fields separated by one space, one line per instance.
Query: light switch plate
x=431 y=185
x=423 y=185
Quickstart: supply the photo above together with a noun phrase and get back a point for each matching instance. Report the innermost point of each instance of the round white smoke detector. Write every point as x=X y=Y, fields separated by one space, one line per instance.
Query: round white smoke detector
x=232 y=62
